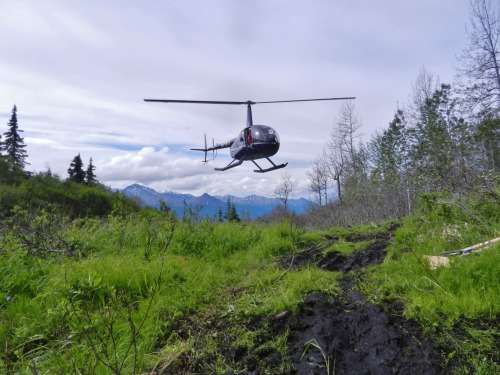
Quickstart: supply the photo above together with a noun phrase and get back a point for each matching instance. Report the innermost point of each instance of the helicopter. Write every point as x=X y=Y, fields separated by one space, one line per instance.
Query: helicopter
x=254 y=141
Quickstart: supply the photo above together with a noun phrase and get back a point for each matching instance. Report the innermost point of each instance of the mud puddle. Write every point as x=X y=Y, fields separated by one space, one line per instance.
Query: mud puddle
x=374 y=253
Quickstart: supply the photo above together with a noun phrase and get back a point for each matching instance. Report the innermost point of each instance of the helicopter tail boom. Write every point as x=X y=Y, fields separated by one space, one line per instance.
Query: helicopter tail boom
x=215 y=147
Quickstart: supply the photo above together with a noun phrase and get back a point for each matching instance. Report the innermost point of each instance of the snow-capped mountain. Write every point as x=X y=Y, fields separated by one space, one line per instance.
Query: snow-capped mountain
x=252 y=206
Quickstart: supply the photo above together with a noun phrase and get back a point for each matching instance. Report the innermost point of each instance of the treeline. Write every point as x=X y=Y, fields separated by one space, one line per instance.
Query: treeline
x=446 y=139
x=46 y=191
x=80 y=195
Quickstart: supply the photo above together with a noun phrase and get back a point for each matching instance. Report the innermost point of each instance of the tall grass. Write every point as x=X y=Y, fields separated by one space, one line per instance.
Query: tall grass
x=106 y=307
x=445 y=299
x=110 y=301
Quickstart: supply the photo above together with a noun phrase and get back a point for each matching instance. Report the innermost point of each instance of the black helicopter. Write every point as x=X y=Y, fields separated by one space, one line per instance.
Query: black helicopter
x=254 y=142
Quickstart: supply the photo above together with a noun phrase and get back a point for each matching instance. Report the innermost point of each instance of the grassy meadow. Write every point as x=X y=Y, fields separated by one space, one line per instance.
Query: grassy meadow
x=135 y=293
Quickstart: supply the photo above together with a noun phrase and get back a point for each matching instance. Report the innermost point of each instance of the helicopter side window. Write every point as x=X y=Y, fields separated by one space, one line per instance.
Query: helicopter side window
x=248 y=138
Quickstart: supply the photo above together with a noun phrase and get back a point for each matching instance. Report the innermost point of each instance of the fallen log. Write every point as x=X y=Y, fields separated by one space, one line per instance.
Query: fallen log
x=474 y=248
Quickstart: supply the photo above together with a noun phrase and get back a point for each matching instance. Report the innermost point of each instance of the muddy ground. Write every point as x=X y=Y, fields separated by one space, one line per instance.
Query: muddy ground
x=351 y=336
x=348 y=335
x=341 y=335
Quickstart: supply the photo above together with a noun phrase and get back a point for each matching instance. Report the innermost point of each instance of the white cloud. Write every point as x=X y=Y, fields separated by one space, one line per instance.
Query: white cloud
x=78 y=72
x=148 y=165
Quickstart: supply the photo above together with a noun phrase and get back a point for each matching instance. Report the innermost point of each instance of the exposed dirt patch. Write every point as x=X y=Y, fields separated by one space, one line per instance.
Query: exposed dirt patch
x=303 y=258
x=372 y=254
x=350 y=336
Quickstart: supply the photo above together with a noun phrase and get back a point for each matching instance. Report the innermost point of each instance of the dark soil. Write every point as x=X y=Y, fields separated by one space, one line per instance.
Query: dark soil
x=372 y=254
x=351 y=336
x=348 y=335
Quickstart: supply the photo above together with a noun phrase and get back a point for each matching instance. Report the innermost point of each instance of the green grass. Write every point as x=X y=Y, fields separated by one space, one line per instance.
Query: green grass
x=59 y=313
x=111 y=304
x=446 y=300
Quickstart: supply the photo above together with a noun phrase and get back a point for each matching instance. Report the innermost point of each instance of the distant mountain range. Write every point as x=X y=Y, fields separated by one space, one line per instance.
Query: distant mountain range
x=252 y=206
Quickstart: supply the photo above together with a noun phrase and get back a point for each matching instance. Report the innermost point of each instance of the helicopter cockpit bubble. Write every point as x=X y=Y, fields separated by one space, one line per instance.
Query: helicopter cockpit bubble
x=263 y=133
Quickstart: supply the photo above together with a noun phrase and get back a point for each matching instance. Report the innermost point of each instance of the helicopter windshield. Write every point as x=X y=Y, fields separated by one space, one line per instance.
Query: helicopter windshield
x=262 y=133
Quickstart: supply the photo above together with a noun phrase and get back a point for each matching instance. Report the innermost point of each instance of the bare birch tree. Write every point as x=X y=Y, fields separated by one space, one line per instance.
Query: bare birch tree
x=341 y=145
x=284 y=188
x=318 y=179
x=481 y=59
x=422 y=90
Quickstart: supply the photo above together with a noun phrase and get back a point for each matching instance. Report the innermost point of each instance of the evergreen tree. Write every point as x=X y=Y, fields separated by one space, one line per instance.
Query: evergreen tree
x=164 y=207
x=436 y=138
x=75 y=171
x=228 y=209
x=90 y=177
x=487 y=140
x=13 y=144
x=231 y=214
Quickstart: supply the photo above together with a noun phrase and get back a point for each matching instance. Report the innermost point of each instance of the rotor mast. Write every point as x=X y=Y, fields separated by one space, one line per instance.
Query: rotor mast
x=249 y=115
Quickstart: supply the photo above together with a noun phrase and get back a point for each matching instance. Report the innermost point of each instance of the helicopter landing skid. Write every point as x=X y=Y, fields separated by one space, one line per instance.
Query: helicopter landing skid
x=230 y=165
x=274 y=167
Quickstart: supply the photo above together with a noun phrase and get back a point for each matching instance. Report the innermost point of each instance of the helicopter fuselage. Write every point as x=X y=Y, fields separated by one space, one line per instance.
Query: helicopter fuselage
x=255 y=142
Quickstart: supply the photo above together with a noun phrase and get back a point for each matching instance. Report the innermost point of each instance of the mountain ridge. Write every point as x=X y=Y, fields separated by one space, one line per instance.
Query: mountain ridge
x=252 y=206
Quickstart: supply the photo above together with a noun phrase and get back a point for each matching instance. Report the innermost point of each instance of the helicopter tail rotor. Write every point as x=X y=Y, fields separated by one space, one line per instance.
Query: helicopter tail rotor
x=205 y=161
x=206 y=149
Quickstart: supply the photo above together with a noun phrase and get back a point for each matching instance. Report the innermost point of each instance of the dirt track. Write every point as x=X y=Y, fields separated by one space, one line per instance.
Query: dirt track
x=351 y=336
x=348 y=335
x=341 y=335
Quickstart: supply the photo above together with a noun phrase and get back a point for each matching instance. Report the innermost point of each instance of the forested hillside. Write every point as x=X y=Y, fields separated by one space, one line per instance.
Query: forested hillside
x=445 y=137
x=429 y=146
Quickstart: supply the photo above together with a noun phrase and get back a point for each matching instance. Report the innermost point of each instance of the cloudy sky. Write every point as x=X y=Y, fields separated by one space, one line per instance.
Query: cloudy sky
x=78 y=72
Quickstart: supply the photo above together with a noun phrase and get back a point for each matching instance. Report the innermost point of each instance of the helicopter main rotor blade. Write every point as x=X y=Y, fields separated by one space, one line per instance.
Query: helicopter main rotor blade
x=305 y=100
x=248 y=102
x=197 y=101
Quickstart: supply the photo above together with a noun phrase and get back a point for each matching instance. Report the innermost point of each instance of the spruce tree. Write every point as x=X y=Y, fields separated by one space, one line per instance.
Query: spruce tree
x=231 y=214
x=90 y=177
x=13 y=145
x=75 y=171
